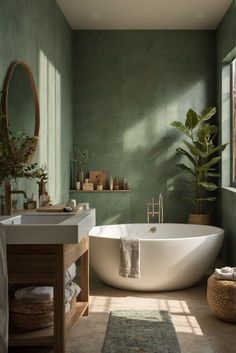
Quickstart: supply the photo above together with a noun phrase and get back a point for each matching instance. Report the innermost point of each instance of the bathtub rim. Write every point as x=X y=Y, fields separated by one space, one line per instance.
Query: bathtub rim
x=221 y=232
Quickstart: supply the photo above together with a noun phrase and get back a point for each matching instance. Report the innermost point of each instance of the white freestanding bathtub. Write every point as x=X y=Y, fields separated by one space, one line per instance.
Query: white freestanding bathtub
x=173 y=256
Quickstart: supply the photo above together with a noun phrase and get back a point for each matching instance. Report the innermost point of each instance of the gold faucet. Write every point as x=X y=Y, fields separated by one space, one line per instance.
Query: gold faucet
x=8 y=193
x=155 y=208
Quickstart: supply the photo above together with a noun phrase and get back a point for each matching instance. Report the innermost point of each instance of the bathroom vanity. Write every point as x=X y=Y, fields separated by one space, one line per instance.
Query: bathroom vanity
x=40 y=247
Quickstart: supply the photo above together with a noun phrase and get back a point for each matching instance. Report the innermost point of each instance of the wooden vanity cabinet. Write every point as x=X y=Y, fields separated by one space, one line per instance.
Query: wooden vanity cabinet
x=45 y=265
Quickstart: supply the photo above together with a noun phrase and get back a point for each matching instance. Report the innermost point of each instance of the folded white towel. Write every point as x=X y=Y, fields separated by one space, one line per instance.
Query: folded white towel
x=70 y=274
x=226 y=273
x=46 y=293
x=72 y=291
x=129 y=257
x=39 y=293
x=67 y=307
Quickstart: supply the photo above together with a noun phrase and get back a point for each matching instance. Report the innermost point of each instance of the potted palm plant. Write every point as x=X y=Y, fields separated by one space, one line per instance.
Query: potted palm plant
x=202 y=153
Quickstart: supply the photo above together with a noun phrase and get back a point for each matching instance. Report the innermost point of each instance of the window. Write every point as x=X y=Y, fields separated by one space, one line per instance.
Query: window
x=233 y=100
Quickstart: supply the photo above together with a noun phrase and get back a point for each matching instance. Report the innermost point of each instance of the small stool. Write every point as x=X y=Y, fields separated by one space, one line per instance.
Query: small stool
x=221 y=297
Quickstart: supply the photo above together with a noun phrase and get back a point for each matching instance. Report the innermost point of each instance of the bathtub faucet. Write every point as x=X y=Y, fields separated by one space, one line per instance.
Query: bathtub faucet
x=155 y=208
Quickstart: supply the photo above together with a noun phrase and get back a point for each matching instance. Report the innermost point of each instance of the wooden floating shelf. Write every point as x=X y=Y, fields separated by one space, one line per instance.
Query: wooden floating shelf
x=100 y=191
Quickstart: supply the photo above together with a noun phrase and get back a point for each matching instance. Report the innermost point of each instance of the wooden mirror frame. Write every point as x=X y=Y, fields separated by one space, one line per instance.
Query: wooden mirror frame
x=4 y=101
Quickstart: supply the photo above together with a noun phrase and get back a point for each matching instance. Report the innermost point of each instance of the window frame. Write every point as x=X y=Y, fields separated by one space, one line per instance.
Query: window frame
x=233 y=122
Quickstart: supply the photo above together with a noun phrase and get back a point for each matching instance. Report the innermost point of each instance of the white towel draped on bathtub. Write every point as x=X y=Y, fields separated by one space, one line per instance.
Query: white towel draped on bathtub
x=129 y=257
x=226 y=273
x=3 y=292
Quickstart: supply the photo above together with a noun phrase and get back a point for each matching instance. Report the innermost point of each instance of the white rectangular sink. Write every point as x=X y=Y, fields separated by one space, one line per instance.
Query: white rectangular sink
x=48 y=228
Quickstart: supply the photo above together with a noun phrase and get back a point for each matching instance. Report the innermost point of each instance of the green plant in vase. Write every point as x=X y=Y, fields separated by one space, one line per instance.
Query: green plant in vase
x=202 y=154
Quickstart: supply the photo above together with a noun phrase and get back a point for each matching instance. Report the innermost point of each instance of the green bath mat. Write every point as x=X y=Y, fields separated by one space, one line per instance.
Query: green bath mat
x=140 y=331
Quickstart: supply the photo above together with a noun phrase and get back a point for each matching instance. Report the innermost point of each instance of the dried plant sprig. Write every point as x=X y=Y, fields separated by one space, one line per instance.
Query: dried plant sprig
x=81 y=157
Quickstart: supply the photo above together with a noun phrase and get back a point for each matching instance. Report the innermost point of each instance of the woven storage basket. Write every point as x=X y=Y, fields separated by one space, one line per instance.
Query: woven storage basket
x=28 y=314
x=221 y=296
x=30 y=306
x=31 y=322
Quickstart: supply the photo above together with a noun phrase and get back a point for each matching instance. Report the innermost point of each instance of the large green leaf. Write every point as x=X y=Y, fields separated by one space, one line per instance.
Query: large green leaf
x=207 y=199
x=219 y=148
x=212 y=174
x=208 y=185
x=213 y=129
x=193 y=149
x=185 y=168
x=190 y=182
x=207 y=165
x=178 y=125
x=203 y=133
x=186 y=154
x=208 y=113
x=191 y=119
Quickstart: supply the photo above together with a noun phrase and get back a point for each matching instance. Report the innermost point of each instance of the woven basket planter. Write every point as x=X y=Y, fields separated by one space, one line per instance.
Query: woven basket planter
x=221 y=297
x=27 y=314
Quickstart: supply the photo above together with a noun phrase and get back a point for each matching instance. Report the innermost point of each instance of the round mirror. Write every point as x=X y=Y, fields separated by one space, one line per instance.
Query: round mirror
x=20 y=107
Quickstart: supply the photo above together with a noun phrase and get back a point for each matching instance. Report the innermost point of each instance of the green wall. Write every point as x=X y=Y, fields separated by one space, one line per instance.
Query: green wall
x=37 y=33
x=128 y=87
x=226 y=51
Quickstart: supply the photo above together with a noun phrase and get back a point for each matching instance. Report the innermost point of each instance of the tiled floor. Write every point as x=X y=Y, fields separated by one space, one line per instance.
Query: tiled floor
x=197 y=329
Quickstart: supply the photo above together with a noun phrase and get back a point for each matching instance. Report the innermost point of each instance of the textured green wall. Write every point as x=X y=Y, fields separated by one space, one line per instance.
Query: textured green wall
x=226 y=46
x=37 y=33
x=128 y=87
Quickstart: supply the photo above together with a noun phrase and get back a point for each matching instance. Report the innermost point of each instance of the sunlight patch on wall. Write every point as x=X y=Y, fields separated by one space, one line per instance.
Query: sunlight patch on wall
x=112 y=220
x=199 y=95
x=135 y=137
x=177 y=110
x=50 y=124
x=58 y=136
x=145 y=133
x=43 y=98
x=225 y=123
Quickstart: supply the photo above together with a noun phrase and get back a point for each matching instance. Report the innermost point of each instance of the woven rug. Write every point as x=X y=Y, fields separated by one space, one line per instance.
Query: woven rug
x=140 y=331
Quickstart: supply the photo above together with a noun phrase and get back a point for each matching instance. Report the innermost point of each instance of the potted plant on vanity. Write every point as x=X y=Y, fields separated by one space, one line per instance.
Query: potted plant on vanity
x=202 y=154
